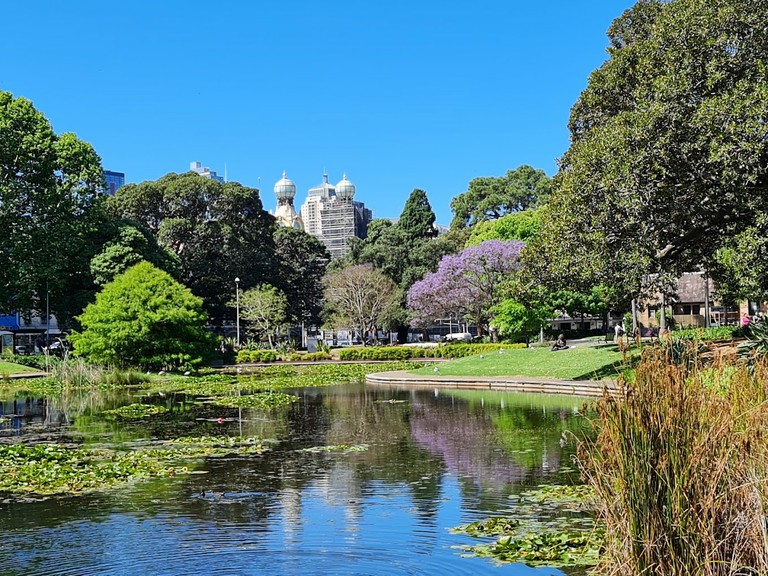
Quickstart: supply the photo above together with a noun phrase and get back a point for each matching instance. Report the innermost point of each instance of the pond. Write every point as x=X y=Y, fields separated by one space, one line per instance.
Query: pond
x=358 y=480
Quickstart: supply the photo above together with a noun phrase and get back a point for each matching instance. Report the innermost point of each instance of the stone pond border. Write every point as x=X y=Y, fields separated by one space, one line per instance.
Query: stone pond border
x=590 y=388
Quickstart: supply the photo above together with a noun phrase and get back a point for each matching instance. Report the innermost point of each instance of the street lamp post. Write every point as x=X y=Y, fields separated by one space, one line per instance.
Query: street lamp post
x=237 y=309
x=47 y=315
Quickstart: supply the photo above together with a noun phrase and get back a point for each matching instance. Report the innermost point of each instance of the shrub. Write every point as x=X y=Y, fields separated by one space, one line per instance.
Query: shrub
x=453 y=350
x=462 y=350
x=708 y=334
x=144 y=318
x=263 y=356
x=315 y=356
x=256 y=356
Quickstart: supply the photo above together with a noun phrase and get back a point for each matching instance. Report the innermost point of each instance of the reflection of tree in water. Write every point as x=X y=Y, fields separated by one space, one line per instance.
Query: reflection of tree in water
x=380 y=418
x=492 y=442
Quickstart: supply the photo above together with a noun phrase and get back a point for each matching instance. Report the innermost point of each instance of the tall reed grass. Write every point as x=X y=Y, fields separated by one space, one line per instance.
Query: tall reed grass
x=679 y=463
x=77 y=373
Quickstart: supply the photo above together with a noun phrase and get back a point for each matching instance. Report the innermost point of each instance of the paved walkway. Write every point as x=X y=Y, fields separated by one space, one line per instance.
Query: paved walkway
x=590 y=388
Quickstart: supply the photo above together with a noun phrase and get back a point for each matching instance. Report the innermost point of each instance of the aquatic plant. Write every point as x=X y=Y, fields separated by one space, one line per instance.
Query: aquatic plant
x=545 y=549
x=679 y=466
x=266 y=378
x=47 y=469
x=258 y=400
x=78 y=373
x=219 y=446
x=551 y=525
x=498 y=526
x=137 y=411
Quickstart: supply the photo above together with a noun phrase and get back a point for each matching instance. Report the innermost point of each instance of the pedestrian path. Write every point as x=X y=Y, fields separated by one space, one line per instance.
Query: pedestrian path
x=591 y=388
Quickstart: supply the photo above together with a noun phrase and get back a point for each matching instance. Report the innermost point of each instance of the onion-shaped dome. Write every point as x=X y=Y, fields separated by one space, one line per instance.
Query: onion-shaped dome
x=345 y=190
x=285 y=189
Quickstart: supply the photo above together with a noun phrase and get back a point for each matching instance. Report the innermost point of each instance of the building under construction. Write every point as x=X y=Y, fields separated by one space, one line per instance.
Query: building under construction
x=332 y=216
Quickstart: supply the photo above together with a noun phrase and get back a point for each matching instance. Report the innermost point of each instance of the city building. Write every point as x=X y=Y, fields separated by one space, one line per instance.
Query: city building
x=27 y=333
x=332 y=216
x=285 y=213
x=205 y=172
x=113 y=180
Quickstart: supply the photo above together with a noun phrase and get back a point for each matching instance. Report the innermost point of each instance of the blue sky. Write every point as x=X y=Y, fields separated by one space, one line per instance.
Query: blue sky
x=398 y=95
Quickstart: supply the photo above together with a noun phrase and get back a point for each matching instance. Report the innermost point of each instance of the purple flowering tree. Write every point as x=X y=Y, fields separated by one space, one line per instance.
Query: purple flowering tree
x=466 y=284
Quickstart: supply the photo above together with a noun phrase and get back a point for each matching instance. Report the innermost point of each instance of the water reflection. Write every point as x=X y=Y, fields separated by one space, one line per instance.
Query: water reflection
x=432 y=462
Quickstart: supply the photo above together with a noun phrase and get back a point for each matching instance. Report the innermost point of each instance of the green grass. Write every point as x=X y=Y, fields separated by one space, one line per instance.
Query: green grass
x=10 y=368
x=576 y=363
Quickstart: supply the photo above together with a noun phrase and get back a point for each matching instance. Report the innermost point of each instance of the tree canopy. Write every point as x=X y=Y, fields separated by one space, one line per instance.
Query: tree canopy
x=143 y=318
x=302 y=261
x=417 y=220
x=128 y=246
x=217 y=231
x=361 y=298
x=467 y=285
x=264 y=308
x=669 y=147
x=523 y=226
x=50 y=201
x=489 y=198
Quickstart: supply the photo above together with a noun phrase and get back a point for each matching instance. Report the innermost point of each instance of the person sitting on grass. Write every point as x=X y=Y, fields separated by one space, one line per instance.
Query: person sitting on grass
x=559 y=344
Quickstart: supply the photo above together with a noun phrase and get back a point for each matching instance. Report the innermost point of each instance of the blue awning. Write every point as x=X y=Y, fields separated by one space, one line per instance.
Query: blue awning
x=9 y=322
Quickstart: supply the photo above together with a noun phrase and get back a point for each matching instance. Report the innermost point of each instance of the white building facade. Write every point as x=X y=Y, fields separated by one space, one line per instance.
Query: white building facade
x=332 y=216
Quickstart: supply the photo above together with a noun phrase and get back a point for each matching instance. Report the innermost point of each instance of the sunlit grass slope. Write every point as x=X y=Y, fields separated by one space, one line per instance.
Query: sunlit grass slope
x=10 y=368
x=576 y=363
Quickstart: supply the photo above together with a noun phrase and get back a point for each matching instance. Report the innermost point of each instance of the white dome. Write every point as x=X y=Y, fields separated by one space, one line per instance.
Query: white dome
x=285 y=189
x=345 y=190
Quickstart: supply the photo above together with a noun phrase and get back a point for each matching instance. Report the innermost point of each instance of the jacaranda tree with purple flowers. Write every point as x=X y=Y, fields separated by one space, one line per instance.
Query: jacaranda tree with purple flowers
x=467 y=284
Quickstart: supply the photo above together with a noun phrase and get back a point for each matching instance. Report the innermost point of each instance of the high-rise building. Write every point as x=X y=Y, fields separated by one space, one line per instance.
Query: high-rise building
x=113 y=180
x=205 y=172
x=331 y=215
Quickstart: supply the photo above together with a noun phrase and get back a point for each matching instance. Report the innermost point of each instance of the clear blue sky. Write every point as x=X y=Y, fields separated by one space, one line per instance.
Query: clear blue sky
x=398 y=95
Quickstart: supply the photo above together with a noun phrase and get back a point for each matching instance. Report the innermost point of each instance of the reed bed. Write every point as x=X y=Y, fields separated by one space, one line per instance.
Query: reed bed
x=678 y=463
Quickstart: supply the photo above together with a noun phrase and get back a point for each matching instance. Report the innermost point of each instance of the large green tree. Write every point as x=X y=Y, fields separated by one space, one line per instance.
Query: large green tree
x=128 y=246
x=489 y=198
x=50 y=213
x=265 y=310
x=301 y=264
x=143 y=318
x=669 y=146
x=219 y=232
x=417 y=220
x=523 y=226
x=403 y=258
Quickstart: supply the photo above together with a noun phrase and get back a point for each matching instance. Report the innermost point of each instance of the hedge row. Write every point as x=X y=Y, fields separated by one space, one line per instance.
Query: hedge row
x=254 y=356
x=708 y=334
x=307 y=357
x=407 y=352
x=260 y=356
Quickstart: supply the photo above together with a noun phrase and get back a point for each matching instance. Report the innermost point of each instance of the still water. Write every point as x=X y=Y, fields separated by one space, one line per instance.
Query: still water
x=426 y=461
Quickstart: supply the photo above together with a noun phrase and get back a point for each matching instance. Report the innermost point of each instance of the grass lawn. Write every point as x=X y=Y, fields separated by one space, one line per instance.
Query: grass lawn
x=582 y=362
x=10 y=368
